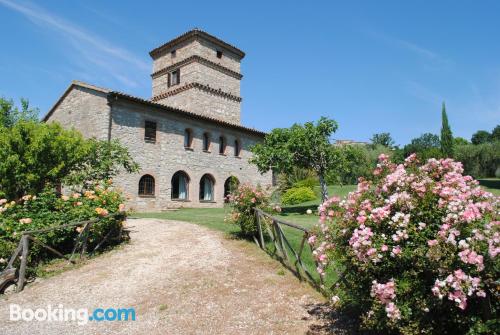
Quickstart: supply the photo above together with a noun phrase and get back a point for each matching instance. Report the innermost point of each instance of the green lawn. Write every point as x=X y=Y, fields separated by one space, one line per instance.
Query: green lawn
x=491 y=185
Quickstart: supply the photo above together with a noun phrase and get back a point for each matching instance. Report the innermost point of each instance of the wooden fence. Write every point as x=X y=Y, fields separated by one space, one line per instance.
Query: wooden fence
x=10 y=273
x=282 y=248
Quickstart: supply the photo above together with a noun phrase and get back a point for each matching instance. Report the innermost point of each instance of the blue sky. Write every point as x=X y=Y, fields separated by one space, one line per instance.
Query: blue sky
x=374 y=66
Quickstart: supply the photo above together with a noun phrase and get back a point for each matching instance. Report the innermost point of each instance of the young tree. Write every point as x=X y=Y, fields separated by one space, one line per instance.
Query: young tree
x=446 y=135
x=495 y=134
x=480 y=137
x=11 y=114
x=384 y=139
x=306 y=146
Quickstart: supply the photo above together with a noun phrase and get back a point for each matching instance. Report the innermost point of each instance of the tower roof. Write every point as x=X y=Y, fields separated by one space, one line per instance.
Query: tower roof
x=191 y=35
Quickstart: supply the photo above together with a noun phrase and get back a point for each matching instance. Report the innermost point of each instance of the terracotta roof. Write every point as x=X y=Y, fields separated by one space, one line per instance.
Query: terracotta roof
x=193 y=34
x=115 y=94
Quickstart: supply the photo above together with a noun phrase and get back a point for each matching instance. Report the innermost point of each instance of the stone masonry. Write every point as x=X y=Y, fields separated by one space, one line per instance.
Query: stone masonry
x=106 y=115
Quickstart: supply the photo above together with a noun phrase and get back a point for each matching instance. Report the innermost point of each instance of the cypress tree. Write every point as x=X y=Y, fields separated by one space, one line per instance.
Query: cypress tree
x=446 y=135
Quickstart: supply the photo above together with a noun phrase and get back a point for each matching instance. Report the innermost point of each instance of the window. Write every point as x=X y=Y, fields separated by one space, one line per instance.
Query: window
x=174 y=77
x=180 y=186
x=207 y=188
x=222 y=145
x=206 y=142
x=219 y=54
x=188 y=138
x=150 y=131
x=230 y=185
x=237 y=148
x=173 y=53
x=147 y=185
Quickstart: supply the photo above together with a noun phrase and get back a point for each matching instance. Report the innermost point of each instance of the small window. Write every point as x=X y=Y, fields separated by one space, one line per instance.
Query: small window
x=207 y=188
x=174 y=77
x=150 y=131
x=206 y=142
x=188 y=138
x=219 y=54
x=222 y=145
x=147 y=185
x=173 y=53
x=237 y=148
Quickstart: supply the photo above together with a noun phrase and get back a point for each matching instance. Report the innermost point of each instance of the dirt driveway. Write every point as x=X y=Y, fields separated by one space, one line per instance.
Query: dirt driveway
x=181 y=279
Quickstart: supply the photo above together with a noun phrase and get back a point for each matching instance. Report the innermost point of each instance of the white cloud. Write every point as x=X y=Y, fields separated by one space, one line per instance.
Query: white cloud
x=110 y=58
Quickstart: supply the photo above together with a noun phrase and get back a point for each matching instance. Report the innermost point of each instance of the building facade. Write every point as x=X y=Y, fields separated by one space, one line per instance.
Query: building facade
x=187 y=138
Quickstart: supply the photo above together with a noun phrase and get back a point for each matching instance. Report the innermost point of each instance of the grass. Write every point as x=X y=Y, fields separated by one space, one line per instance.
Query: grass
x=491 y=185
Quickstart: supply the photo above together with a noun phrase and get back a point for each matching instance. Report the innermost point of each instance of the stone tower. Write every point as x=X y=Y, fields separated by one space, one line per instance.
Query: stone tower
x=199 y=73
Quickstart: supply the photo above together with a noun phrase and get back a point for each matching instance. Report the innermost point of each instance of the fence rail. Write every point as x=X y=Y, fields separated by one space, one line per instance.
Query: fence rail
x=10 y=273
x=283 y=249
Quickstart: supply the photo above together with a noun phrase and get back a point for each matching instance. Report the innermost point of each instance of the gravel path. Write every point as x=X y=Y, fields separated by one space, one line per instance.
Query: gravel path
x=181 y=279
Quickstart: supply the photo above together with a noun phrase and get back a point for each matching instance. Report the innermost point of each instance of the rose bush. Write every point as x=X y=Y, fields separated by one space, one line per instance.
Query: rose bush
x=46 y=209
x=243 y=201
x=418 y=249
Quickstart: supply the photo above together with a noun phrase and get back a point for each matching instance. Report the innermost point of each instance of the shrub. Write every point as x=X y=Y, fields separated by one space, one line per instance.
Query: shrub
x=243 y=202
x=48 y=209
x=418 y=246
x=297 y=195
x=310 y=182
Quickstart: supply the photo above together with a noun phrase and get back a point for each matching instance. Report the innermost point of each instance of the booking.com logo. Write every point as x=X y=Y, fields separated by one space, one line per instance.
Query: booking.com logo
x=60 y=314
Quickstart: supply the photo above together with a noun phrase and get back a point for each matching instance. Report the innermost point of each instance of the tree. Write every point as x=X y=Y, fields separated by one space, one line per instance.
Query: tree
x=384 y=139
x=481 y=136
x=446 y=135
x=459 y=141
x=103 y=161
x=305 y=146
x=495 y=134
x=426 y=146
x=35 y=155
x=11 y=114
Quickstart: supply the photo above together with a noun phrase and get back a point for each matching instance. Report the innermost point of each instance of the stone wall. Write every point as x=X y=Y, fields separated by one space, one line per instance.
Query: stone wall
x=168 y=155
x=84 y=109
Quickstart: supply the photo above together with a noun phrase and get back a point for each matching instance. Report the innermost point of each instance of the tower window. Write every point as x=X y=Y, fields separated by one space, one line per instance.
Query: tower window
x=174 y=77
x=173 y=53
x=219 y=54
x=237 y=148
x=150 y=131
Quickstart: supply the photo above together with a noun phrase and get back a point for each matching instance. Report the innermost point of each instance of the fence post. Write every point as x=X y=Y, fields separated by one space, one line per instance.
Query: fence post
x=24 y=260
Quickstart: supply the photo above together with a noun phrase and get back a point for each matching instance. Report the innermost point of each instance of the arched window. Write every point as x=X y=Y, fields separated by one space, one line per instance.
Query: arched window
x=188 y=138
x=222 y=145
x=147 y=185
x=230 y=185
x=206 y=142
x=180 y=186
x=207 y=183
x=237 y=148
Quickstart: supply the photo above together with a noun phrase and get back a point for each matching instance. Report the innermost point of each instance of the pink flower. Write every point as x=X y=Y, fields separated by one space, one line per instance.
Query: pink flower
x=396 y=251
x=432 y=243
x=384 y=248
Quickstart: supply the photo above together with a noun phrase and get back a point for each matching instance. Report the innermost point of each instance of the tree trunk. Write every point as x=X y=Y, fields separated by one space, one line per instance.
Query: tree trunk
x=324 y=188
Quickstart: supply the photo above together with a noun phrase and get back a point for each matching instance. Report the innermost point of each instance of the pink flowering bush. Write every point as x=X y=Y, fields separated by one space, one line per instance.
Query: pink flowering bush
x=32 y=212
x=243 y=201
x=417 y=247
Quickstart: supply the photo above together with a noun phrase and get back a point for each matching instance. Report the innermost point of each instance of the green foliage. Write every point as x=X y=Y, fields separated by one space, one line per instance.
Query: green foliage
x=460 y=141
x=446 y=135
x=310 y=182
x=495 y=134
x=297 y=195
x=305 y=146
x=426 y=146
x=480 y=137
x=481 y=160
x=383 y=139
x=33 y=155
x=103 y=161
x=287 y=180
x=243 y=201
x=11 y=114
x=46 y=209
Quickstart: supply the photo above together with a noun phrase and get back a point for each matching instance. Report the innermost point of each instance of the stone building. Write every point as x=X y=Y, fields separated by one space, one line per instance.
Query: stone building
x=187 y=138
